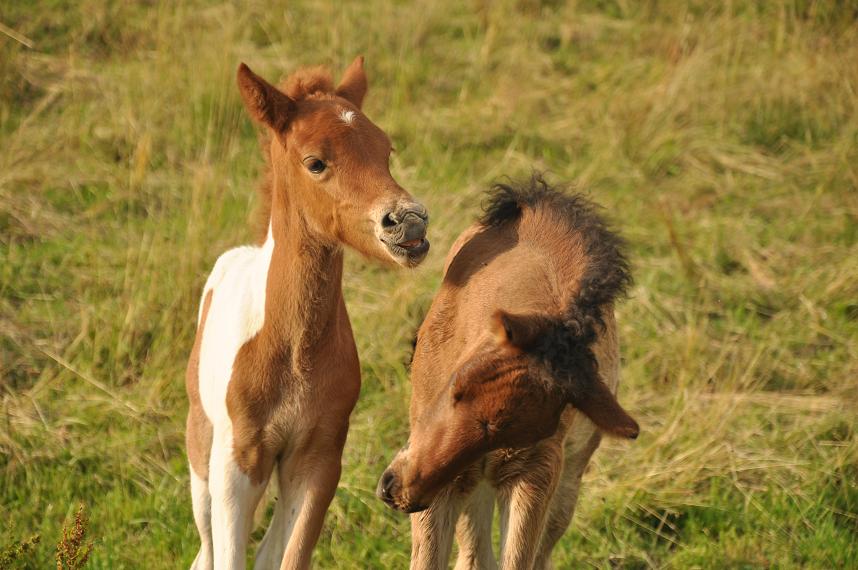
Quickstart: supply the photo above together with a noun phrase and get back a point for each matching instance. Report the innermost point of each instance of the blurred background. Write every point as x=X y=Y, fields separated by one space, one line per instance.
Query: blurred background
x=721 y=138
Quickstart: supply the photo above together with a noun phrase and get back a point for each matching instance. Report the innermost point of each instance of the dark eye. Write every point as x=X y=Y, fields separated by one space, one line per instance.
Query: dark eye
x=316 y=166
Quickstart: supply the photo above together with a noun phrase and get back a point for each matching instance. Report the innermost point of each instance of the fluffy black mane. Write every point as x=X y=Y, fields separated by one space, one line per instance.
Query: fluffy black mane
x=606 y=277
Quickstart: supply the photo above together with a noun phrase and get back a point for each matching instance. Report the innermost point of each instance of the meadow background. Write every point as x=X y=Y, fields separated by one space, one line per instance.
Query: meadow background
x=721 y=137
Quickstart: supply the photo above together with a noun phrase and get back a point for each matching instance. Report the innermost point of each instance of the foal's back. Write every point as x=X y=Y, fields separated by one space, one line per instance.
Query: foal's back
x=525 y=264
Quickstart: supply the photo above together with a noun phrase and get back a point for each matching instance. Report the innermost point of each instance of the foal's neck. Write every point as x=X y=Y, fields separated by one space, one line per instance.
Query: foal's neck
x=304 y=283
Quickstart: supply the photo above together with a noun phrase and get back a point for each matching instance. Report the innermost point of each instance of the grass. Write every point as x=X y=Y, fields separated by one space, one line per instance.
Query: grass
x=721 y=138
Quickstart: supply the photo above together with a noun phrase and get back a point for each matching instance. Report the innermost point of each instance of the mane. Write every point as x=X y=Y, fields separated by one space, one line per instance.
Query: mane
x=605 y=278
x=304 y=83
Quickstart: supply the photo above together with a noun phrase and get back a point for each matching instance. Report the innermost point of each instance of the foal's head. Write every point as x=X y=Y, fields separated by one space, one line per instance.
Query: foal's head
x=330 y=164
x=509 y=393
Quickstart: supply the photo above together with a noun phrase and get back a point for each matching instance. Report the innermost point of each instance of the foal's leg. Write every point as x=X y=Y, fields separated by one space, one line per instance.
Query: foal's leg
x=432 y=532
x=474 y=531
x=234 y=498
x=290 y=497
x=198 y=437
x=529 y=498
x=579 y=448
x=203 y=518
x=317 y=472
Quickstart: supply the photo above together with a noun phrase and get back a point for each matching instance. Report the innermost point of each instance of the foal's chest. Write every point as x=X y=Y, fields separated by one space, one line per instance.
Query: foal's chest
x=505 y=466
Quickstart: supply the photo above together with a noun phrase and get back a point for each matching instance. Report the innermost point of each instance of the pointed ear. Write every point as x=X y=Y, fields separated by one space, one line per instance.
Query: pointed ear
x=599 y=404
x=266 y=103
x=353 y=86
x=518 y=332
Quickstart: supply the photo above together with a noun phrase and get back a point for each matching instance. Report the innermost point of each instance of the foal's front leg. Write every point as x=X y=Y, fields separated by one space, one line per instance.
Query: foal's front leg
x=432 y=532
x=582 y=441
x=317 y=474
x=234 y=496
x=290 y=497
x=474 y=531
x=528 y=499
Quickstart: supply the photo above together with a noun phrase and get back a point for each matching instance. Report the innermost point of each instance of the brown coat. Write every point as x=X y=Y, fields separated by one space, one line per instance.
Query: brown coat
x=274 y=373
x=514 y=368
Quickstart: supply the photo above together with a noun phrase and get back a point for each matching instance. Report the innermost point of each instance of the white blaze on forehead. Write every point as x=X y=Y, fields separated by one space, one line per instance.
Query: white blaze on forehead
x=348 y=117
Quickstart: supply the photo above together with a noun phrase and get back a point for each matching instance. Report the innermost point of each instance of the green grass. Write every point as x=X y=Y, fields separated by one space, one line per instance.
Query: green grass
x=721 y=138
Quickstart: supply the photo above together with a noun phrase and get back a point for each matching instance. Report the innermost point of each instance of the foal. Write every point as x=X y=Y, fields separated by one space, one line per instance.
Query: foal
x=274 y=372
x=513 y=377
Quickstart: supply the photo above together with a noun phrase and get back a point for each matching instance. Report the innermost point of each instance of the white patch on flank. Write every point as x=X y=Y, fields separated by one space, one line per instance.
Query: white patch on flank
x=224 y=508
x=236 y=314
x=348 y=117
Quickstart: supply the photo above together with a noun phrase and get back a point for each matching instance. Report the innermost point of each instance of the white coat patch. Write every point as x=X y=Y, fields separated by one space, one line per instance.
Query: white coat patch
x=236 y=314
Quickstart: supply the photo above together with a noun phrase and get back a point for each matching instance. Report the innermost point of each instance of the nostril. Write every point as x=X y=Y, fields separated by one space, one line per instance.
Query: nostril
x=389 y=220
x=385 y=485
x=387 y=481
x=422 y=212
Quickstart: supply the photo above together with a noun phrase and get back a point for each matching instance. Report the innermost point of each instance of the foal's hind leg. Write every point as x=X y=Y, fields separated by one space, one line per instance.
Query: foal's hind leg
x=199 y=438
x=203 y=519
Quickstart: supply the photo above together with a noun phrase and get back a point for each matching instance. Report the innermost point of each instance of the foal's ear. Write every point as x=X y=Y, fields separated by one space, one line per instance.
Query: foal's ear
x=266 y=103
x=353 y=85
x=599 y=404
x=518 y=332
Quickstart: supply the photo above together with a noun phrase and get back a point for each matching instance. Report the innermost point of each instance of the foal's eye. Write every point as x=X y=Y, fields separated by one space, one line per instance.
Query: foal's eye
x=316 y=166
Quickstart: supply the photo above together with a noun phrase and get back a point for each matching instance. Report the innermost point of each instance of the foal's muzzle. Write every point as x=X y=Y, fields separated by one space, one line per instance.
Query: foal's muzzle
x=389 y=490
x=403 y=232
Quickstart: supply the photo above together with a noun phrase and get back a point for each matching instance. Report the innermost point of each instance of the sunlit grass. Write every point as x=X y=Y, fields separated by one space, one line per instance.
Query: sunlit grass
x=722 y=140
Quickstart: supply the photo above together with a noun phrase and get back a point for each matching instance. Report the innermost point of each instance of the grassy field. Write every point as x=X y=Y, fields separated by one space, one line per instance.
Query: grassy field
x=722 y=138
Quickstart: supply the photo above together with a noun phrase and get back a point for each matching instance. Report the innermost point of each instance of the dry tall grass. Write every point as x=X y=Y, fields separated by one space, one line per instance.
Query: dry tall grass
x=722 y=139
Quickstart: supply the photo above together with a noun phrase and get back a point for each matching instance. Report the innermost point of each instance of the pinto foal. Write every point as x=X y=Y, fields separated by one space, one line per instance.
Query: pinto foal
x=274 y=372
x=513 y=377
